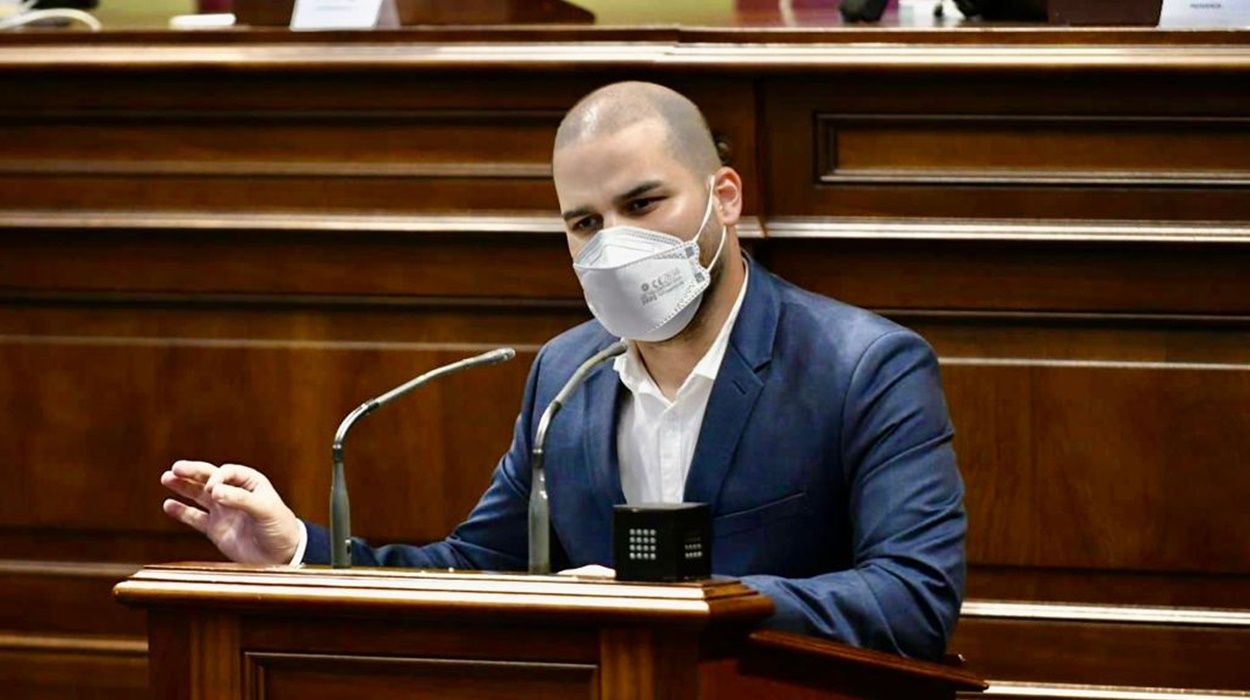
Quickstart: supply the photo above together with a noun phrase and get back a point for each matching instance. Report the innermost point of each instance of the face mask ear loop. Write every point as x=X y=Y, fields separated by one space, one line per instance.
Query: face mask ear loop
x=723 y=231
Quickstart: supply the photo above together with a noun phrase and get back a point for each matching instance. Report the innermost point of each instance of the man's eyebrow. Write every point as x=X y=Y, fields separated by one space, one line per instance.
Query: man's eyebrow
x=575 y=213
x=639 y=190
x=635 y=191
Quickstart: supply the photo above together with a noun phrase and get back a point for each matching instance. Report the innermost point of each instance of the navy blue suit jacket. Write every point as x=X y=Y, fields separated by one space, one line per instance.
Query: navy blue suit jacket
x=825 y=454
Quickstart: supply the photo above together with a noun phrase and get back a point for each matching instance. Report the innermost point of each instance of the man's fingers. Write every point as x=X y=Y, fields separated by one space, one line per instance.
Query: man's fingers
x=242 y=499
x=235 y=475
x=187 y=488
x=185 y=514
x=193 y=470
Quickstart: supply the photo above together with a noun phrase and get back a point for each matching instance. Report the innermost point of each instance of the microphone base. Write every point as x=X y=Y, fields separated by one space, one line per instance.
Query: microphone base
x=662 y=541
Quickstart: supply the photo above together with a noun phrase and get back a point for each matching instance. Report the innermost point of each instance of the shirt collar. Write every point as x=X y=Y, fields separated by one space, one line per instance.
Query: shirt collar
x=634 y=374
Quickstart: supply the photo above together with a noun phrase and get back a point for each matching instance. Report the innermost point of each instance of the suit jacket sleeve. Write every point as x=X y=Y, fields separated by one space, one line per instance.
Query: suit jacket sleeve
x=494 y=537
x=906 y=509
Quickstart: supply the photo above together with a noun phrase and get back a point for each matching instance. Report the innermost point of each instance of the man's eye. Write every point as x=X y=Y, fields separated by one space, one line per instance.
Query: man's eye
x=639 y=205
x=585 y=224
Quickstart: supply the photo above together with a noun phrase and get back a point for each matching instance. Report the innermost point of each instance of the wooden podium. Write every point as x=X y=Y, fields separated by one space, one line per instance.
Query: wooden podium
x=232 y=631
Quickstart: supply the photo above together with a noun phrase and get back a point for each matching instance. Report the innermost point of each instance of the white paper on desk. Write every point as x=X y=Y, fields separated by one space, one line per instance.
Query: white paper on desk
x=344 y=14
x=1205 y=13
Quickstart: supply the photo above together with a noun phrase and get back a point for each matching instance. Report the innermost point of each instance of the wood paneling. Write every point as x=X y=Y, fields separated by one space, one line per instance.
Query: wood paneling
x=343 y=143
x=1092 y=152
x=217 y=667
x=432 y=147
x=279 y=676
x=426 y=638
x=1107 y=586
x=1076 y=691
x=968 y=275
x=93 y=668
x=1038 y=148
x=523 y=636
x=213 y=246
x=1153 y=656
x=1138 y=463
x=64 y=598
x=429 y=265
x=170 y=399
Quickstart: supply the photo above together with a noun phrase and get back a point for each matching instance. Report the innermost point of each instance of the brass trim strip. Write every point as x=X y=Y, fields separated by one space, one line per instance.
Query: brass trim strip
x=1122 y=614
x=1091 y=364
x=1011 y=689
x=249 y=343
x=519 y=223
x=73 y=643
x=964 y=230
x=71 y=569
x=271 y=169
x=515 y=56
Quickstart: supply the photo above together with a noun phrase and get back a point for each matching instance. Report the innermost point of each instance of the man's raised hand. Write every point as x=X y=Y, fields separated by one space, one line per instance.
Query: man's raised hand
x=236 y=508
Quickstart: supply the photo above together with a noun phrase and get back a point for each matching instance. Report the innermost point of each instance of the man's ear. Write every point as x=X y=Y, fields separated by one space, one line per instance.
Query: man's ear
x=727 y=192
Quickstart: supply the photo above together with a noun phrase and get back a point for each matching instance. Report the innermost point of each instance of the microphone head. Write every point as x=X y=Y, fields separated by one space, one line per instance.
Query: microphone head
x=498 y=355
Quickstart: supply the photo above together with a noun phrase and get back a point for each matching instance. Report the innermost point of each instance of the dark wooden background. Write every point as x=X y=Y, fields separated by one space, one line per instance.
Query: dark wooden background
x=215 y=247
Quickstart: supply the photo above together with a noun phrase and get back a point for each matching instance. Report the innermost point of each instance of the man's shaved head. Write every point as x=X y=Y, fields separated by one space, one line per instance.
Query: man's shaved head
x=614 y=107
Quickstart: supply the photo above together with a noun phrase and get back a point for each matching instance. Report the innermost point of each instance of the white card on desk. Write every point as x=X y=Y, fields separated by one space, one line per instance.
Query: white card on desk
x=1205 y=13
x=344 y=14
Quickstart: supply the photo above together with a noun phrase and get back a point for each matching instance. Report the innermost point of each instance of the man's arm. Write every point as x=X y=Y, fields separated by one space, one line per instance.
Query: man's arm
x=906 y=512
x=494 y=537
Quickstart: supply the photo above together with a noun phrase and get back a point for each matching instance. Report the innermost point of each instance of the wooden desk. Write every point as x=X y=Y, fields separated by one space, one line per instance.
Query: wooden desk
x=228 y=631
x=214 y=245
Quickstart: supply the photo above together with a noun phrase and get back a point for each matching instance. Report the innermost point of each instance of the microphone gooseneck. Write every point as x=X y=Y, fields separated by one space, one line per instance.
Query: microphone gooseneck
x=539 y=511
x=340 y=511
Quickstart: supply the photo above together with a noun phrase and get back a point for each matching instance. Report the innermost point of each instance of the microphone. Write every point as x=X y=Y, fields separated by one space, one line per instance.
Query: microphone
x=862 y=10
x=340 y=513
x=540 y=513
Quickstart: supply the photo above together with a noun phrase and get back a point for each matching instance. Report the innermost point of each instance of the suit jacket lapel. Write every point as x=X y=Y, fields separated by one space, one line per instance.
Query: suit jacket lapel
x=738 y=385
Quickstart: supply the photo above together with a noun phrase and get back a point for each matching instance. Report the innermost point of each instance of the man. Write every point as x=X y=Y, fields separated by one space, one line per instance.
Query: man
x=816 y=431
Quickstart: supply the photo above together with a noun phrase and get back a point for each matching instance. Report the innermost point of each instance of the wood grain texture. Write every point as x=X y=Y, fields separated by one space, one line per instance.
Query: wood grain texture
x=279 y=676
x=833 y=653
x=1047 y=53
x=1153 y=656
x=1132 y=460
x=219 y=628
x=1107 y=586
x=648 y=663
x=63 y=666
x=212 y=417
x=526 y=267
x=424 y=638
x=1078 y=691
x=992 y=276
x=64 y=598
x=215 y=656
x=1038 y=147
x=779 y=664
x=214 y=245
x=441 y=594
x=1013 y=150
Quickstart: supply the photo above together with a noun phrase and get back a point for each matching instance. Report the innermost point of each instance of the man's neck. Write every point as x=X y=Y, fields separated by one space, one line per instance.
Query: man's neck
x=669 y=363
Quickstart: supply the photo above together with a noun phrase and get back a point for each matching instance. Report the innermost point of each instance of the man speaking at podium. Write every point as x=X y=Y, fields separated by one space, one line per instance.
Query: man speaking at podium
x=816 y=432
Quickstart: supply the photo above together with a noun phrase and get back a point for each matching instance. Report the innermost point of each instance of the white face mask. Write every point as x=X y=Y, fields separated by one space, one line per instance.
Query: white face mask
x=645 y=285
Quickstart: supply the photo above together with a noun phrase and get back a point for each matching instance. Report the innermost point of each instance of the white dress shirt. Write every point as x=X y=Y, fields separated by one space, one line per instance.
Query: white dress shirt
x=655 y=438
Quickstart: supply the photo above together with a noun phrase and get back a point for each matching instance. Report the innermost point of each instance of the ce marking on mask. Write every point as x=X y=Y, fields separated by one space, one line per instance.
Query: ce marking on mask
x=664 y=284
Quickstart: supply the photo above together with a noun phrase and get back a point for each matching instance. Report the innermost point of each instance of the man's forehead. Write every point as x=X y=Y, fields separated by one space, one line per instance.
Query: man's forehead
x=642 y=141
x=614 y=164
